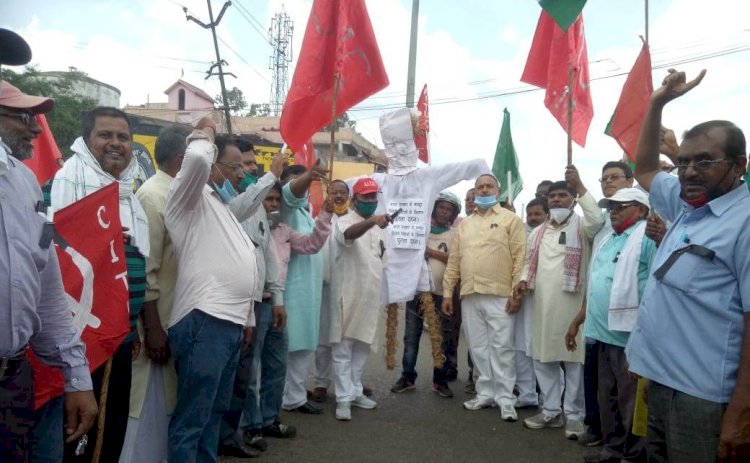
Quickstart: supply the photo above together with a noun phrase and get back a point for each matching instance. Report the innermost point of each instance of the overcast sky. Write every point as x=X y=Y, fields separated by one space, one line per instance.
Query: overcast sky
x=469 y=52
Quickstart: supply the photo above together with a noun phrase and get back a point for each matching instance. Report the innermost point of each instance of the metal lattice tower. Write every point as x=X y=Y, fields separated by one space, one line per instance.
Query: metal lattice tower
x=280 y=37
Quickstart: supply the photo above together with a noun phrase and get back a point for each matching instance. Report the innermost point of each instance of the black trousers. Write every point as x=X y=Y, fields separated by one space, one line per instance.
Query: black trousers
x=16 y=413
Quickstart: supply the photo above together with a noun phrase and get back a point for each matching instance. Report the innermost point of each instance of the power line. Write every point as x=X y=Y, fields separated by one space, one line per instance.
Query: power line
x=243 y=59
x=244 y=13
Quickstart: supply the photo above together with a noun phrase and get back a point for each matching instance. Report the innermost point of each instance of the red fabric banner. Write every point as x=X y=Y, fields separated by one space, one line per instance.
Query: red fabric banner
x=305 y=156
x=552 y=54
x=420 y=138
x=47 y=156
x=633 y=104
x=94 y=275
x=339 y=42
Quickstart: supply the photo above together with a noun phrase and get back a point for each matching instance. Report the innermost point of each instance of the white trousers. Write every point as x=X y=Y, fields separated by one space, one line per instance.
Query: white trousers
x=525 y=378
x=297 y=368
x=146 y=436
x=349 y=358
x=489 y=331
x=323 y=361
x=550 y=379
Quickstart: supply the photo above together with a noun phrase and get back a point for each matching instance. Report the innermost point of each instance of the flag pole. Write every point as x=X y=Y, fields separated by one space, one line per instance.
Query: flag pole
x=510 y=188
x=333 y=125
x=570 y=114
x=102 y=411
x=646 y=31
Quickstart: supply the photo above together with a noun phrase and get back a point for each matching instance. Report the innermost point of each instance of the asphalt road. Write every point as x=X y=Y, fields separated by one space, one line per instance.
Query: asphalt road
x=416 y=426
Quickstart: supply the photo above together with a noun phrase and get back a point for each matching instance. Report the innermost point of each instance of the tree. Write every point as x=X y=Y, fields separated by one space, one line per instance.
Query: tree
x=65 y=119
x=342 y=121
x=235 y=101
x=259 y=110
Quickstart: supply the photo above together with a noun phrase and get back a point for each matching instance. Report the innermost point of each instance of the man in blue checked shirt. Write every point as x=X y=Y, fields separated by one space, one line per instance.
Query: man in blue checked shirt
x=691 y=339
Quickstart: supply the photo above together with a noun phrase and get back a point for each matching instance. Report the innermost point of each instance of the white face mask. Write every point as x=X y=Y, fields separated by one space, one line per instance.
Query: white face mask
x=559 y=214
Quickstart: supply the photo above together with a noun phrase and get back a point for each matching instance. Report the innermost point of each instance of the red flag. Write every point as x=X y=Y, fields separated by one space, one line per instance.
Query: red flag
x=46 y=160
x=338 y=41
x=94 y=274
x=305 y=156
x=627 y=120
x=420 y=137
x=552 y=53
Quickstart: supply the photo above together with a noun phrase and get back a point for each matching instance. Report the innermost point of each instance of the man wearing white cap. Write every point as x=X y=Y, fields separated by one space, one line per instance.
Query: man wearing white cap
x=34 y=311
x=619 y=271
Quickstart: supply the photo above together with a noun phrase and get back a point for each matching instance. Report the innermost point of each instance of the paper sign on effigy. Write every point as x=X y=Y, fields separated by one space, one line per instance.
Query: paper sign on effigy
x=408 y=230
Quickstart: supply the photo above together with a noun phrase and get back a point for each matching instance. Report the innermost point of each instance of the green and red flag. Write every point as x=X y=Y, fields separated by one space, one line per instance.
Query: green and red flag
x=506 y=160
x=625 y=124
x=563 y=12
x=554 y=54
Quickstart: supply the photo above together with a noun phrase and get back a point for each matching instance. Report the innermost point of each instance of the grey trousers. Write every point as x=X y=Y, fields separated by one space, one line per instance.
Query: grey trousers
x=616 y=393
x=682 y=428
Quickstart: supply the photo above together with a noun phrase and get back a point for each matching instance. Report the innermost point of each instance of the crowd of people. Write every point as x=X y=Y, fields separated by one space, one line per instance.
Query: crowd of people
x=236 y=291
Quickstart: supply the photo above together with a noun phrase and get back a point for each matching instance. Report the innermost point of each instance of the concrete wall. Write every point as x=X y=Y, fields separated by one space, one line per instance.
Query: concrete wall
x=192 y=101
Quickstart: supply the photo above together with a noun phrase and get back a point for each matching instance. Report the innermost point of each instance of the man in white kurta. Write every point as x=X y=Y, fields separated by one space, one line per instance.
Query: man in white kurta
x=414 y=191
x=360 y=238
x=555 y=270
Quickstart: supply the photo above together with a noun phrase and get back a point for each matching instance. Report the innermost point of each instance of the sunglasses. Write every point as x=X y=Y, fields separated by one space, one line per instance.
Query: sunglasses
x=618 y=207
x=26 y=118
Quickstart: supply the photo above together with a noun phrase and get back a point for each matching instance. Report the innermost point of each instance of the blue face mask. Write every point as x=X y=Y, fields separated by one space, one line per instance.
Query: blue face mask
x=485 y=202
x=226 y=192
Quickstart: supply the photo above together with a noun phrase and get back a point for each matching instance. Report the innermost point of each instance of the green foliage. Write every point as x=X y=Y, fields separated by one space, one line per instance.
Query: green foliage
x=259 y=110
x=236 y=101
x=342 y=121
x=65 y=119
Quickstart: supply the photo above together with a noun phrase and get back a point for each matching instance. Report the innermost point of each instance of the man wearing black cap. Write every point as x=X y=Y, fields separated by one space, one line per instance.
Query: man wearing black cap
x=34 y=312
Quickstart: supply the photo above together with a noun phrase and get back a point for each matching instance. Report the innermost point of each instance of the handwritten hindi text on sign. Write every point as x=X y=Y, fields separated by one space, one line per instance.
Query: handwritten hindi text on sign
x=408 y=230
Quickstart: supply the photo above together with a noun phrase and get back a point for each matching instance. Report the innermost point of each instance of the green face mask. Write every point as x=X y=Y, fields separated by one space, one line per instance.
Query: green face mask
x=366 y=209
x=248 y=180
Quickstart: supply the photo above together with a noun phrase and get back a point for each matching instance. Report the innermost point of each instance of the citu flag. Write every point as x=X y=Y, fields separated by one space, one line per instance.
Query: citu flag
x=506 y=161
x=553 y=54
x=305 y=156
x=47 y=156
x=339 y=44
x=94 y=272
x=421 y=135
x=625 y=124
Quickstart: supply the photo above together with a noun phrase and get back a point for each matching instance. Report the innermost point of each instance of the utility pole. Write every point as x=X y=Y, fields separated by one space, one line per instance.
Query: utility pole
x=412 y=54
x=280 y=36
x=219 y=62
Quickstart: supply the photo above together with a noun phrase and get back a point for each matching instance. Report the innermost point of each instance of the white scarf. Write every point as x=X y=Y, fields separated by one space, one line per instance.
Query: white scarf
x=623 y=299
x=82 y=175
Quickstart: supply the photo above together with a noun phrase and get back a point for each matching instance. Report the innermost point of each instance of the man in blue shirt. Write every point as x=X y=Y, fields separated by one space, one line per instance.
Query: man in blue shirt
x=691 y=339
x=619 y=271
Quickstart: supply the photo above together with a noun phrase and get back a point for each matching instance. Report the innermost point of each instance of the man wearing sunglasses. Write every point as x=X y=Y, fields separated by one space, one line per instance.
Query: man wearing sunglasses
x=33 y=308
x=692 y=338
x=618 y=275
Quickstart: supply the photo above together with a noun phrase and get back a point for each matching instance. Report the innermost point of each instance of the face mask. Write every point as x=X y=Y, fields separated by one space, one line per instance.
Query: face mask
x=247 y=180
x=438 y=229
x=559 y=214
x=627 y=223
x=485 y=202
x=226 y=192
x=366 y=209
x=341 y=210
x=274 y=218
x=709 y=195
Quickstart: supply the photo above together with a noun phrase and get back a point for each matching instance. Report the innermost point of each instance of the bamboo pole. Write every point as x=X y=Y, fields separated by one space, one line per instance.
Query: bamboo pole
x=333 y=126
x=570 y=114
x=102 y=411
x=509 y=199
x=646 y=22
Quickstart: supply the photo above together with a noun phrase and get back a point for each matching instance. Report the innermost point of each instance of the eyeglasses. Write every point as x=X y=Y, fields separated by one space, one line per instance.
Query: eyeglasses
x=701 y=166
x=613 y=177
x=26 y=118
x=234 y=167
x=618 y=207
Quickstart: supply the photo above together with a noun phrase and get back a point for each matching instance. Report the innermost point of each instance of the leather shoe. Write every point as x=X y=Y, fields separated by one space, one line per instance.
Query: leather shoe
x=238 y=451
x=307 y=409
x=319 y=394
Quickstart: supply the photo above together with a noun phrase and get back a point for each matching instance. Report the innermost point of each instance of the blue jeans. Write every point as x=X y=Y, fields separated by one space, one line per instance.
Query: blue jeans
x=206 y=350
x=47 y=443
x=412 y=335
